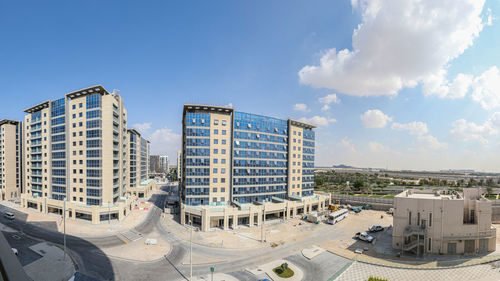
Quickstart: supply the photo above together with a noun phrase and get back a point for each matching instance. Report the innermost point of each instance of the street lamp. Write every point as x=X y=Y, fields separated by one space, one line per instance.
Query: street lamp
x=64 y=223
x=191 y=251
x=109 y=213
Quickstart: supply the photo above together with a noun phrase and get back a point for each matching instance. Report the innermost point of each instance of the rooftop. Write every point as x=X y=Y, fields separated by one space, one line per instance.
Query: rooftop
x=429 y=194
x=7 y=121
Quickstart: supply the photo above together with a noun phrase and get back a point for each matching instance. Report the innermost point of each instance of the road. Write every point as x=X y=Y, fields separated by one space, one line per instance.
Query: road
x=93 y=262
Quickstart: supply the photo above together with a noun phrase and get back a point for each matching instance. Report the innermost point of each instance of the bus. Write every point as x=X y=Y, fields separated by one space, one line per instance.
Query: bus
x=337 y=216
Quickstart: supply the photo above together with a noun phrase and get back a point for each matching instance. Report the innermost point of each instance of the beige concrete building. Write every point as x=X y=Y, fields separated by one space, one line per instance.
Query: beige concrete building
x=11 y=156
x=443 y=222
x=138 y=169
x=76 y=149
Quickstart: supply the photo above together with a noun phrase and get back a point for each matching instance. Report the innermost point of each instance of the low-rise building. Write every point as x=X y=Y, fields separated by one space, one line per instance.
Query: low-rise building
x=443 y=222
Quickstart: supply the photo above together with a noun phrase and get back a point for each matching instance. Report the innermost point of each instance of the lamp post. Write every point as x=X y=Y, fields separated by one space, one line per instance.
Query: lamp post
x=64 y=226
x=191 y=250
x=109 y=213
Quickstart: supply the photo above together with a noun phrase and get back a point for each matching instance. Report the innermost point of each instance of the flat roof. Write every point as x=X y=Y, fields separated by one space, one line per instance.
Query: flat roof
x=301 y=124
x=38 y=107
x=134 y=131
x=8 y=121
x=210 y=108
x=435 y=195
x=88 y=91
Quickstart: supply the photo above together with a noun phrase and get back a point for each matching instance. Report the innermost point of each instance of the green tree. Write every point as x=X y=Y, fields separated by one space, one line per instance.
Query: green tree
x=358 y=184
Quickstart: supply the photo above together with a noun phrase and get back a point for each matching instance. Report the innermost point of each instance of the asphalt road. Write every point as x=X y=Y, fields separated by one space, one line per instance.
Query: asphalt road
x=92 y=261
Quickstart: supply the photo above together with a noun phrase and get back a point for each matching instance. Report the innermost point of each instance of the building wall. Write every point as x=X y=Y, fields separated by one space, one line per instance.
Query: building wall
x=10 y=159
x=220 y=158
x=295 y=139
x=154 y=163
x=163 y=163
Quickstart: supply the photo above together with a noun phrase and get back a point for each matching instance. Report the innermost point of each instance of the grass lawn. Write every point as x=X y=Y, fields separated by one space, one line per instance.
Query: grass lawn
x=283 y=274
x=389 y=196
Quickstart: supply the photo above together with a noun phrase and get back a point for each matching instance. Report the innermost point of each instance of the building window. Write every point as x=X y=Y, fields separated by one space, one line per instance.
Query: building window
x=409 y=218
x=214 y=189
x=418 y=218
x=430 y=220
x=216 y=132
x=216 y=141
x=429 y=243
x=216 y=122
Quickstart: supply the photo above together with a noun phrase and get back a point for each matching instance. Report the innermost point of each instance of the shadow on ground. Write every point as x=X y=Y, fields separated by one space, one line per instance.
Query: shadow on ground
x=89 y=258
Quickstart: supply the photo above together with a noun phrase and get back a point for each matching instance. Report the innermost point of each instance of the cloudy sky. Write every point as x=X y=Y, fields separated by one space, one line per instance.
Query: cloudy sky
x=398 y=83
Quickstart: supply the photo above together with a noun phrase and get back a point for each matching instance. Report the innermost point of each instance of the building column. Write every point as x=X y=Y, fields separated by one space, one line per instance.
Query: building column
x=95 y=216
x=183 y=214
x=235 y=221
x=250 y=219
x=226 y=220
x=205 y=220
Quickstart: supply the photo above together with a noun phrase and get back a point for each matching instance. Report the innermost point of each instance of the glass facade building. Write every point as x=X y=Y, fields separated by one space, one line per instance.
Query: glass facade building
x=231 y=156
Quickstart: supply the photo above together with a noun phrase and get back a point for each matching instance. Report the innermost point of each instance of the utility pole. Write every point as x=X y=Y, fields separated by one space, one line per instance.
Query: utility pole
x=64 y=223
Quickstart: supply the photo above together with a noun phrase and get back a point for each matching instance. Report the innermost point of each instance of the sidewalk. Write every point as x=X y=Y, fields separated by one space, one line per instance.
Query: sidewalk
x=52 y=266
x=81 y=228
x=340 y=249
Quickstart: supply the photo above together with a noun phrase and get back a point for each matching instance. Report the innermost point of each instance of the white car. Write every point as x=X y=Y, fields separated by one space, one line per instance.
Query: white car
x=363 y=236
x=376 y=228
x=9 y=215
x=14 y=250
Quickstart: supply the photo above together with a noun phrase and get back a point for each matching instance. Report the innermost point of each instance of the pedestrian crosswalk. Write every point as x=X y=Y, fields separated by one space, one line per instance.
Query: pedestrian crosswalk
x=129 y=236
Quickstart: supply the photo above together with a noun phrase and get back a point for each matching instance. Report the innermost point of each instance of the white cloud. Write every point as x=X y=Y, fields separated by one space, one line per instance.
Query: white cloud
x=325 y=107
x=329 y=99
x=486 y=89
x=346 y=143
x=142 y=127
x=165 y=142
x=398 y=44
x=301 y=107
x=431 y=142
x=490 y=18
x=318 y=121
x=375 y=118
x=464 y=130
x=378 y=147
x=437 y=84
x=414 y=128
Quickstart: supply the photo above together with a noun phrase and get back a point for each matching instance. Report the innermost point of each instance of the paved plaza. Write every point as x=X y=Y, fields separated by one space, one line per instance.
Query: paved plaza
x=362 y=271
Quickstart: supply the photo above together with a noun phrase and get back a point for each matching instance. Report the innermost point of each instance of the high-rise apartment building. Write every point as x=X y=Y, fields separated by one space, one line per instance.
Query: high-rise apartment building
x=164 y=163
x=179 y=165
x=236 y=158
x=139 y=163
x=154 y=163
x=76 y=148
x=11 y=156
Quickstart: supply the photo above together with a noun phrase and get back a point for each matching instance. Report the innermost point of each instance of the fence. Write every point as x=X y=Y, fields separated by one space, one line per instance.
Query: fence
x=377 y=203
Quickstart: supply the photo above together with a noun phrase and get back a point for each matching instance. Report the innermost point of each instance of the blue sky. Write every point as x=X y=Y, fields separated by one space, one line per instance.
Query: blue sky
x=396 y=102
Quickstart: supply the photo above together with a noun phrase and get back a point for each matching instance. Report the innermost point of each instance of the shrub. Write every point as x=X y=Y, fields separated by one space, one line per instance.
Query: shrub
x=372 y=278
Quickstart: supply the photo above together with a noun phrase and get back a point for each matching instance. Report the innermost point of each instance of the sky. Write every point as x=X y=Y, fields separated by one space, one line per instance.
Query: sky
x=398 y=84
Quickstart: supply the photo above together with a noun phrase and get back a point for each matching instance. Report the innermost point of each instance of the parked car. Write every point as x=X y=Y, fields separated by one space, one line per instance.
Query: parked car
x=9 y=215
x=367 y=207
x=376 y=228
x=14 y=250
x=363 y=236
x=356 y=209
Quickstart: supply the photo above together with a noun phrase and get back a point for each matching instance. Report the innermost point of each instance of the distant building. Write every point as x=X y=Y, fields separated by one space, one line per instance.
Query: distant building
x=443 y=222
x=11 y=140
x=179 y=165
x=164 y=163
x=154 y=163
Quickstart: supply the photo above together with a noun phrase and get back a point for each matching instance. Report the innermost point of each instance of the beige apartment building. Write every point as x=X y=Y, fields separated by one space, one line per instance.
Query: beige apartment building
x=11 y=180
x=76 y=150
x=138 y=168
x=443 y=222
